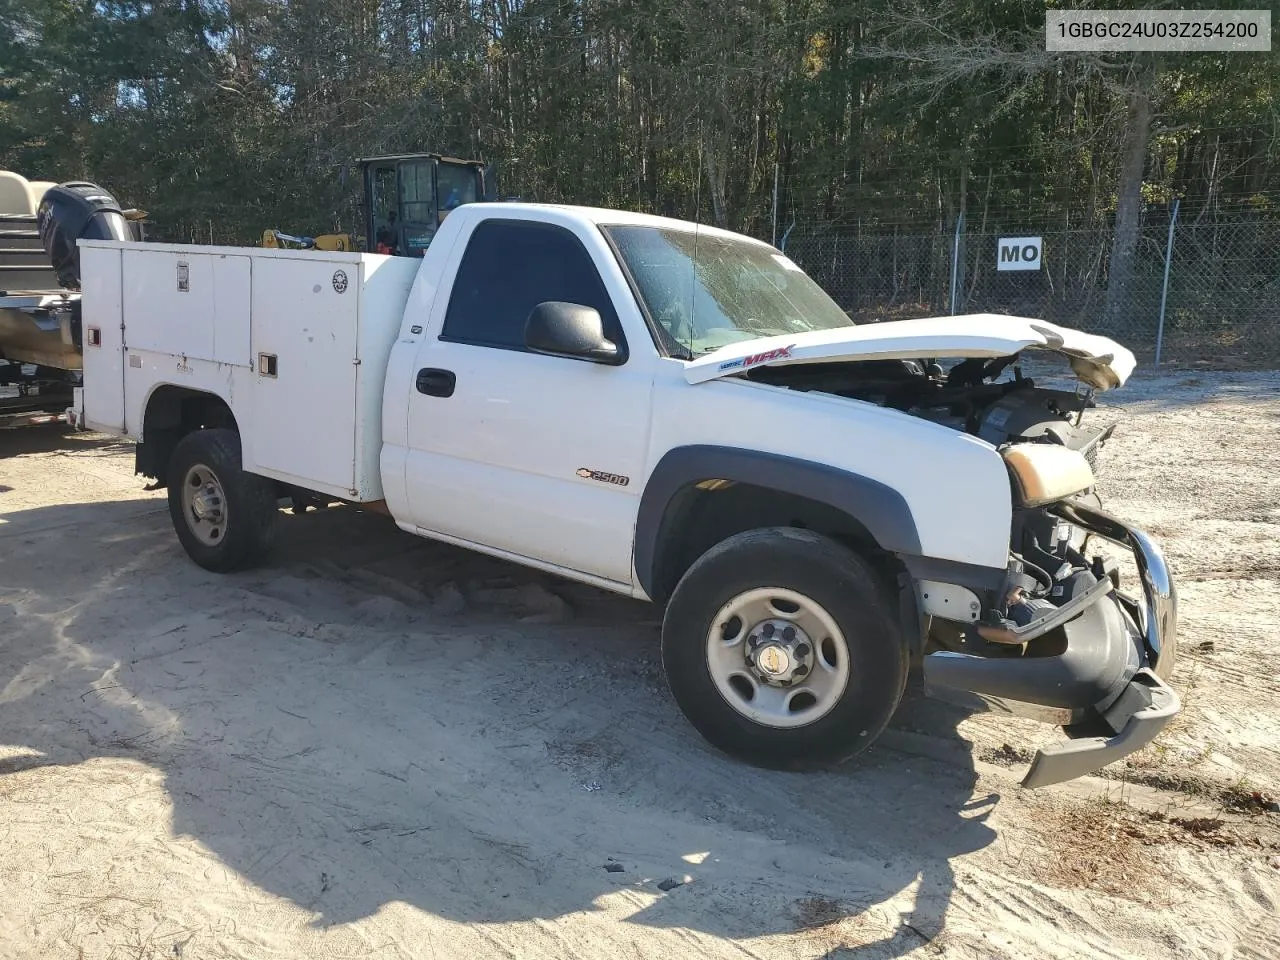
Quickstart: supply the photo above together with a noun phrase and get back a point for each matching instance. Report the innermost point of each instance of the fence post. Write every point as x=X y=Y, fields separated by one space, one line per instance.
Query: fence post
x=1164 y=292
x=955 y=261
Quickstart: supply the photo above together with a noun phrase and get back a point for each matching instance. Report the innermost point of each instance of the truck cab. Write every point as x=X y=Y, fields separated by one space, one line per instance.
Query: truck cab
x=679 y=414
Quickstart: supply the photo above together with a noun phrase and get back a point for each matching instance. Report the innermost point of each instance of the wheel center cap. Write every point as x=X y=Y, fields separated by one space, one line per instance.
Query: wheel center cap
x=204 y=505
x=773 y=660
x=780 y=652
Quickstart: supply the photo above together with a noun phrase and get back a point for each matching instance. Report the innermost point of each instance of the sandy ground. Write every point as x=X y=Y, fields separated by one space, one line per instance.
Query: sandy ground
x=380 y=746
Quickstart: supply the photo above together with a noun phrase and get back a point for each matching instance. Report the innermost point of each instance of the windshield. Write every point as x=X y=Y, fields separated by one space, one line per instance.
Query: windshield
x=706 y=292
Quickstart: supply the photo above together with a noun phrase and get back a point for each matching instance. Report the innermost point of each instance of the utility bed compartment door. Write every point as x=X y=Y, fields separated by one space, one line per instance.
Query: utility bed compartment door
x=188 y=305
x=100 y=324
x=304 y=320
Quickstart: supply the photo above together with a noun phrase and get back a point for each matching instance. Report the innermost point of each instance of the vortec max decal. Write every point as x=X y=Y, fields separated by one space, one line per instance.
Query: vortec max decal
x=782 y=353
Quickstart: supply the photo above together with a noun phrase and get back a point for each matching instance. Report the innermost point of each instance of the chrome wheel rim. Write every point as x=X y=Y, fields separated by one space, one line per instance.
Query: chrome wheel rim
x=204 y=505
x=778 y=657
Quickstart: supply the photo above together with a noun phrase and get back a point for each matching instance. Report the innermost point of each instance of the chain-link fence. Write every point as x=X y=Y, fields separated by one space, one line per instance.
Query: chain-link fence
x=1221 y=301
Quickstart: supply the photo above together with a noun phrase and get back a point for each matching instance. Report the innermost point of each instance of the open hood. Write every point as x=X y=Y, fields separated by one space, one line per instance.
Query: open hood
x=1098 y=361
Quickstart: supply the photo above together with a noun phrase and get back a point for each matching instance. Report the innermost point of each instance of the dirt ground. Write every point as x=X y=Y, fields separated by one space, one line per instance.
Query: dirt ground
x=380 y=746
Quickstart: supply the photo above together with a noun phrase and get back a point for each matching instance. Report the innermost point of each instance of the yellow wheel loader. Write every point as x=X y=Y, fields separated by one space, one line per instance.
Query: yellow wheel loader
x=406 y=198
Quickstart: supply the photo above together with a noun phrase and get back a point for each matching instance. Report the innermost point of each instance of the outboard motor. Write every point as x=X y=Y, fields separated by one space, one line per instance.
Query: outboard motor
x=77 y=211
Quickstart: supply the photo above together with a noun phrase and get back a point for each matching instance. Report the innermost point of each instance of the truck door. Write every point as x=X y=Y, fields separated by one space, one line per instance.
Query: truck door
x=535 y=455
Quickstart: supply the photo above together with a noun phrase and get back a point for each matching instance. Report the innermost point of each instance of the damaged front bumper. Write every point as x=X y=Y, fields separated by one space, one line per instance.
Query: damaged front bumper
x=1105 y=686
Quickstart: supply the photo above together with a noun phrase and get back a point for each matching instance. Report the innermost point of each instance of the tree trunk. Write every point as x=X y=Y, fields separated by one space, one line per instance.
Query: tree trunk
x=1124 y=240
x=716 y=169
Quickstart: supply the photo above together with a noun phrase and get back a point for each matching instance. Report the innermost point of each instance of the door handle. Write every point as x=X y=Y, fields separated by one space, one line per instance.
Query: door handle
x=436 y=383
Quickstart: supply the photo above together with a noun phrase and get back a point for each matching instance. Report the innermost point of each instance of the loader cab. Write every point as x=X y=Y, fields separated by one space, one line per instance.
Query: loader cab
x=408 y=197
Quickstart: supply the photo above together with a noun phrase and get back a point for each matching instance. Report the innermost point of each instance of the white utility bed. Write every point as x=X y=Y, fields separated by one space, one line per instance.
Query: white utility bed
x=295 y=341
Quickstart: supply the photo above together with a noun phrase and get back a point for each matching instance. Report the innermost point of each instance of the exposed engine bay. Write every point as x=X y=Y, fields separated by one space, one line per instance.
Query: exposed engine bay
x=1047 y=569
x=967 y=398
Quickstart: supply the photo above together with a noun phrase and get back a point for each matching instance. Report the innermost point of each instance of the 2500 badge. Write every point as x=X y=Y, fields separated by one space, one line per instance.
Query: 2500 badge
x=603 y=477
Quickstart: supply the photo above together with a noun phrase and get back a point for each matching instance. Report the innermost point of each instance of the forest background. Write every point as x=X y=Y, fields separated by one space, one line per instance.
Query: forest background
x=888 y=144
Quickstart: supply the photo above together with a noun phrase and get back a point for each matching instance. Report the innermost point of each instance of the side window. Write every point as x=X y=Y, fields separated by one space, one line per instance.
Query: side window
x=457 y=185
x=511 y=266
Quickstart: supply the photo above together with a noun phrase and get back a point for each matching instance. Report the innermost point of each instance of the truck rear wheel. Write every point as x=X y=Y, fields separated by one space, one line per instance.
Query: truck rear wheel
x=223 y=516
x=781 y=647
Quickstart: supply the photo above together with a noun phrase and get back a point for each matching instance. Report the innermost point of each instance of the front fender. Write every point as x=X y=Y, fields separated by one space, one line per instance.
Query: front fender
x=877 y=507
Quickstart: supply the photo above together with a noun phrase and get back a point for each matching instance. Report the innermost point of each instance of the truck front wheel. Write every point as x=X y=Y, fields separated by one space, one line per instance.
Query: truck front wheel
x=223 y=516
x=781 y=647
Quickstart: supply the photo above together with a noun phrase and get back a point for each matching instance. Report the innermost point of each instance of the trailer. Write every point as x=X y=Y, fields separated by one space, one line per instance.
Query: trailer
x=41 y=358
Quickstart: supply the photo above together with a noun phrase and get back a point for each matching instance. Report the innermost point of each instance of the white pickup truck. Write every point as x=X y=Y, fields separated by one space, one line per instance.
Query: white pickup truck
x=675 y=413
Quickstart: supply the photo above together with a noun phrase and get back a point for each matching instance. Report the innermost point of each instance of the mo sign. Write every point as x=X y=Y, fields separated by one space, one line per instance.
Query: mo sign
x=1018 y=253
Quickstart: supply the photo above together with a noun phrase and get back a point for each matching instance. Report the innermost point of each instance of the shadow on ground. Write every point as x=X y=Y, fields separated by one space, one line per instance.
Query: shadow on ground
x=372 y=718
x=53 y=437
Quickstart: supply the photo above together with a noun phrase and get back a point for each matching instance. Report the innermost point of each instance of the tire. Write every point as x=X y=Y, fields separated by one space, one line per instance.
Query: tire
x=240 y=509
x=855 y=678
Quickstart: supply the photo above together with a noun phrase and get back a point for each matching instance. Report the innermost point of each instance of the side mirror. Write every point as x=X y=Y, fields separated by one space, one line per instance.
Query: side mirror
x=569 y=330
